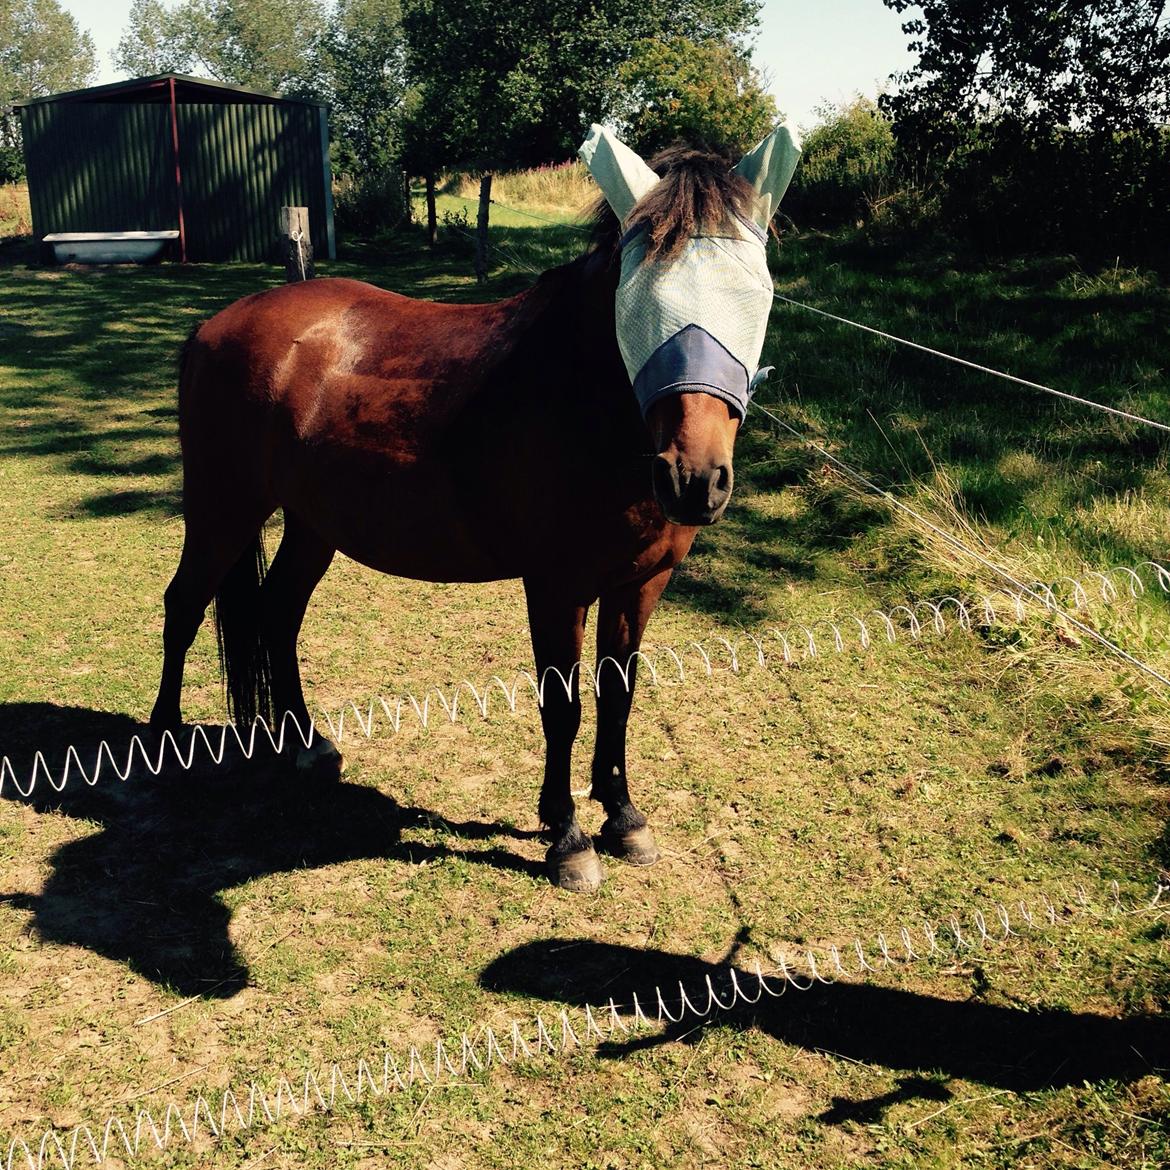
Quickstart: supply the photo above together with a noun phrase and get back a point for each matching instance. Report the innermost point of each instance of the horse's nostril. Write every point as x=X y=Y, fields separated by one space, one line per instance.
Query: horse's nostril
x=718 y=487
x=666 y=480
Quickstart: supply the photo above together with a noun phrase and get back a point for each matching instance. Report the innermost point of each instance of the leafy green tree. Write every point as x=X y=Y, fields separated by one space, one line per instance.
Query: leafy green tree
x=526 y=79
x=42 y=51
x=516 y=85
x=706 y=92
x=1040 y=125
x=1099 y=64
x=364 y=60
x=272 y=45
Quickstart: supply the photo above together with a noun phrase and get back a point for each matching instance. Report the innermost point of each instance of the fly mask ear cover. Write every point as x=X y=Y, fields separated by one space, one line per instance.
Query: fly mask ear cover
x=697 y=322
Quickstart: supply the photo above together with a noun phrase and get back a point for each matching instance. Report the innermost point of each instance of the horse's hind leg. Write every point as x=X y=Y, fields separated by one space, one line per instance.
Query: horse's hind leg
x=621 y=621
x=558 y=629
x=211 y=547
x=299 y=564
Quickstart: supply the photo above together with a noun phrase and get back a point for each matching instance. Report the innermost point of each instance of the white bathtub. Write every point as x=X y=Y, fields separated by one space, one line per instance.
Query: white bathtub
x=108 y=247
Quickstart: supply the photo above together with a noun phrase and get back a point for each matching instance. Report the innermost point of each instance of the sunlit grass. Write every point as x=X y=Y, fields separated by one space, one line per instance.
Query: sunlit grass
x=796 y=804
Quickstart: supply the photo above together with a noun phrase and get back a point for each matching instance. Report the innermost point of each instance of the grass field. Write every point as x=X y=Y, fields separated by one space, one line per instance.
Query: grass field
x=159 y=938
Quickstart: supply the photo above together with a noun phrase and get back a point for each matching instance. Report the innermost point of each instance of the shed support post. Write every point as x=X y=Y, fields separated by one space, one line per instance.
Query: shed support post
x=297 y=244
x=178 y=172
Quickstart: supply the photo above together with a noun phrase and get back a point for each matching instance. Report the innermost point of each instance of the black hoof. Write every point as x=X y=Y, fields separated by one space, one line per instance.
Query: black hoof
x=580 y=872
x=634 y=846
x=319 y=763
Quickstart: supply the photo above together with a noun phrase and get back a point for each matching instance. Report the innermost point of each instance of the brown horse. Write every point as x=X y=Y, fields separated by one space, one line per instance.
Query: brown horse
x=449 y=443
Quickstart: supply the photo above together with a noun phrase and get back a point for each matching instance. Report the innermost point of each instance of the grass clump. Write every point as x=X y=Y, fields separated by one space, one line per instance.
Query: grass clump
x=557 y=188
x=15 y=211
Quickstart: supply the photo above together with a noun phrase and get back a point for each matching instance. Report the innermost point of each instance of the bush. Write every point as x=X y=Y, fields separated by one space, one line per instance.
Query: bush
x=1100 y=196
x=847 y=166
x=365 y=205
x=15 y=216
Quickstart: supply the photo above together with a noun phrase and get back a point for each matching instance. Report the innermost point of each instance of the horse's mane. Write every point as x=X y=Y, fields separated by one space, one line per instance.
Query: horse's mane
x=699 y=193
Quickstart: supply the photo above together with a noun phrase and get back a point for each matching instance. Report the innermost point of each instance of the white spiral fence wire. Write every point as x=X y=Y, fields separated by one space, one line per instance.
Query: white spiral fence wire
x=242 y=1107
x=730 y=652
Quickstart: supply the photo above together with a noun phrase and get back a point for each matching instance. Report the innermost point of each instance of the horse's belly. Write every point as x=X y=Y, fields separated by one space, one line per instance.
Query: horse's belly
x=406 y=522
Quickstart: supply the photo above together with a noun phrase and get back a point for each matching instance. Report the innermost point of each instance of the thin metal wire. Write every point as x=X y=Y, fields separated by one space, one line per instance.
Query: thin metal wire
x=724 y=653
x=269 y=1099
x=573 y=227
x=1129 y=415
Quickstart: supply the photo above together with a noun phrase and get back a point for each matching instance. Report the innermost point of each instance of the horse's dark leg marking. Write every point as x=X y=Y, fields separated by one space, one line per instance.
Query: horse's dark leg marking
x=558 y=630
x=621 y=621
x=297 y=569
x=211 y=546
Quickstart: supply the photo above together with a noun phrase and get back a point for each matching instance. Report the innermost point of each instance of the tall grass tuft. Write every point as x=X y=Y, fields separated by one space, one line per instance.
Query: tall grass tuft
x=565 y=186
x=15 y=213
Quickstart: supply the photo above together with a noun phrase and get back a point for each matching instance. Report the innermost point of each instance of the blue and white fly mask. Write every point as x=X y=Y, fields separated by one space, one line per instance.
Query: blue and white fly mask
x=694 y=322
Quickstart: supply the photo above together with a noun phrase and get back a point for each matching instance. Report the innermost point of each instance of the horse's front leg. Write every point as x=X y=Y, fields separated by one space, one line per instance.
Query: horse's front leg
x=558 y=629
x=622 y=618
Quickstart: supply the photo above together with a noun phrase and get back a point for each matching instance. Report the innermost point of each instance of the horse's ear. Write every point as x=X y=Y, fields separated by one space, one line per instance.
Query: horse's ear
x=620 y=173
x=769 y=167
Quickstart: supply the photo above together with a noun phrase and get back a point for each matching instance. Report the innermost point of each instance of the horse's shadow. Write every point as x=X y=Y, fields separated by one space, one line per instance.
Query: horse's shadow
x=927 y=1038
x=144 y=890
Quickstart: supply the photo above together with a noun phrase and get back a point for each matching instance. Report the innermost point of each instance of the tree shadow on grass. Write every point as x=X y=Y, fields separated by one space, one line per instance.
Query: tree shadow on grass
x=144 y=889
x=922 y=1035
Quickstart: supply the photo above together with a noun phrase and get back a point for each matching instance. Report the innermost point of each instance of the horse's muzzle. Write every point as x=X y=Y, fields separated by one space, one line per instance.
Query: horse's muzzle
x=688 y=496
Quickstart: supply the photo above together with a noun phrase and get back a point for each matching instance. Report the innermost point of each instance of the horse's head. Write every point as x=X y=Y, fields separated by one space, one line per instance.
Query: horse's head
x=693 y=301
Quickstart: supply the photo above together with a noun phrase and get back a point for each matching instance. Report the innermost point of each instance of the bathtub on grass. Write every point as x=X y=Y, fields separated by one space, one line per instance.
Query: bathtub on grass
x=108 y=247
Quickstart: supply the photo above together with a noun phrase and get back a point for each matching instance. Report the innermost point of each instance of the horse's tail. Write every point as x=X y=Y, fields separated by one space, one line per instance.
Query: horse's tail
x=243 y=657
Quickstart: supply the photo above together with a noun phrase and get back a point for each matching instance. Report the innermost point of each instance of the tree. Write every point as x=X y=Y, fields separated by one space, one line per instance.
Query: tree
x=1040 y=125
x=42 y=51
x=364 y=58
x=272 y=45
x=704 y=93
x=1097 y=64
x=516 y=85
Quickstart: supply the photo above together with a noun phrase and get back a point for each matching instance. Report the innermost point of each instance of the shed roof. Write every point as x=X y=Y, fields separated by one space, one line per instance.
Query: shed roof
x=157 y=89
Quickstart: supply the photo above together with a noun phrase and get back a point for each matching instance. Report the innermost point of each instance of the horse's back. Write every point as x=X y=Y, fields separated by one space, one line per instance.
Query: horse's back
x=328 y=393
x=332 y=328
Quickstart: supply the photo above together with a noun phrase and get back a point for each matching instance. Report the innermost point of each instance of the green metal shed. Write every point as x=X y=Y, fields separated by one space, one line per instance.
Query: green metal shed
x=215 y=162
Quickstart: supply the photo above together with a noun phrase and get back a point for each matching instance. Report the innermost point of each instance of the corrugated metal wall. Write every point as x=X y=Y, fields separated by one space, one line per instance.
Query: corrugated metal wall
x=94 y=168
x=110 y=167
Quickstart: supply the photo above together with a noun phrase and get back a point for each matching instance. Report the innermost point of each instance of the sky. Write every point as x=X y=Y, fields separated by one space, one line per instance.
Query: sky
x=812 y=51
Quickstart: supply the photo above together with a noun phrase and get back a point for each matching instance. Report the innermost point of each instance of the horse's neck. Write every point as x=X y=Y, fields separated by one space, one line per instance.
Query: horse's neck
x=571 y=347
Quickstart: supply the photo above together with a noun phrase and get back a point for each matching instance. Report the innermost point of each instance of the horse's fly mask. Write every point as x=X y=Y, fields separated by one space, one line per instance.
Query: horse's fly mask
x=697 y=322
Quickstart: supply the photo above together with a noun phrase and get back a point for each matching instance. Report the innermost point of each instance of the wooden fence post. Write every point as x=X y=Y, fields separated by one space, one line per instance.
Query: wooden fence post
x=297 y=244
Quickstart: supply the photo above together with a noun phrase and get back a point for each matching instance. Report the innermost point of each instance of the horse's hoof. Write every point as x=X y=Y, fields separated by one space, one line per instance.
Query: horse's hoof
x=319 y=763
x=579 y=872
x=635 y=846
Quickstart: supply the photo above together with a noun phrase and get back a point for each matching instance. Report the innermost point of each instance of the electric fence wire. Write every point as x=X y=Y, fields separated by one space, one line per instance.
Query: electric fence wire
x=977 y=366
x=730 y=652
x=1125 y=414
x=240 y=1107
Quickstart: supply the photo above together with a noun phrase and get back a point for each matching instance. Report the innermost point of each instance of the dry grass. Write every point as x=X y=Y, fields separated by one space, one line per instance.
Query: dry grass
x=565 y=187
x=15 y=213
